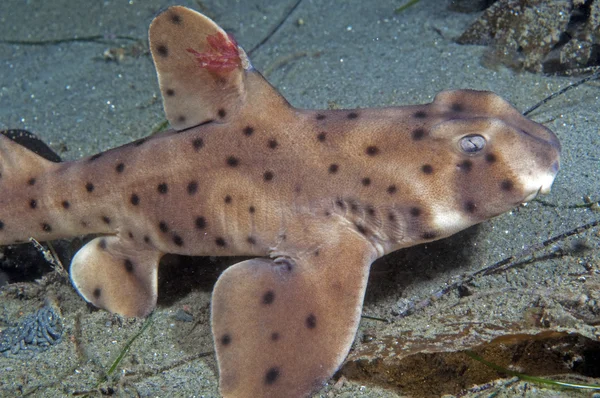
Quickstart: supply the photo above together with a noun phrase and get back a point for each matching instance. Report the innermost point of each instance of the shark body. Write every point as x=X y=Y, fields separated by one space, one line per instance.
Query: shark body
x=317 y=195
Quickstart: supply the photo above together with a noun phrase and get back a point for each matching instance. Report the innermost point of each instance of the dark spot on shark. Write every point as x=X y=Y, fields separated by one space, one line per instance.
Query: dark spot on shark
x=352 y=115
x=418 y=134
x=97 y=293
x=428 y=235
x=162 y=188
x=176 y=19
x=192 y=187
x=271 y=376
x=506 y=185
x=366 y=181
x=200 y=222
x=33 y=203
x=392 y=189
x=65 y=204
x=162 y=50
x=197 y=143
x=226 y=339
x=322 y=136
x=320 y=116
x=415 y=211
x=469 y=206
x=170 y=92
x=178 y=240
x=372 y=150
x=89 y=187
x=46 y=227
x=106 y=219
x=163 y=226
x=220 y=242
x=120 y=167
x=311 y=321
x=456 y=107
x=427 y=169
x=268 y=297
x=128 y=266
x=222 y=113
x=272 y=144
x=420 y=114
x=268 y=175
x=135 y=199
x=490 y=158
x=232 y=161
x=333 y=168
x=465 y=166
x=248 y=131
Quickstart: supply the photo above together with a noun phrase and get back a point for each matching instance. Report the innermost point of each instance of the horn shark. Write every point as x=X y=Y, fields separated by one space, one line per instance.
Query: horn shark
x=315 y=195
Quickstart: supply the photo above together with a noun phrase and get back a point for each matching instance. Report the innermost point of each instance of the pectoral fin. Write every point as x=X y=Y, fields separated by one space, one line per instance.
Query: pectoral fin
x=283 y=326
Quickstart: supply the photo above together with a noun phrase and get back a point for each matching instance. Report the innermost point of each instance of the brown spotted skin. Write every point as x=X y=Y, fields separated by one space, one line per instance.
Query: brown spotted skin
x=318 y=194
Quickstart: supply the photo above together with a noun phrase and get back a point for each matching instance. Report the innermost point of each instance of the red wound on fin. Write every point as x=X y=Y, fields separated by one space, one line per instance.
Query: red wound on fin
x=222 y=54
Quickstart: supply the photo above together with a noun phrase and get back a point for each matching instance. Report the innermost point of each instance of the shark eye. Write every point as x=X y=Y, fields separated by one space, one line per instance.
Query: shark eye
x=471 y=144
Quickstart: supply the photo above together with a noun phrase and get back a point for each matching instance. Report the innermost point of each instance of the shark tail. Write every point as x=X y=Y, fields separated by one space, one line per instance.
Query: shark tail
x=24 y=159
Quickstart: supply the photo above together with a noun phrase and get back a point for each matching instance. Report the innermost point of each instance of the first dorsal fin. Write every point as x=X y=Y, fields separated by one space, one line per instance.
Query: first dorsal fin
x=200 y=68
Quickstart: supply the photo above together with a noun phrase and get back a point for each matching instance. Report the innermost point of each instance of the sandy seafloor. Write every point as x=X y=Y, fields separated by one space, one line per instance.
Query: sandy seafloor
x=351 y=54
